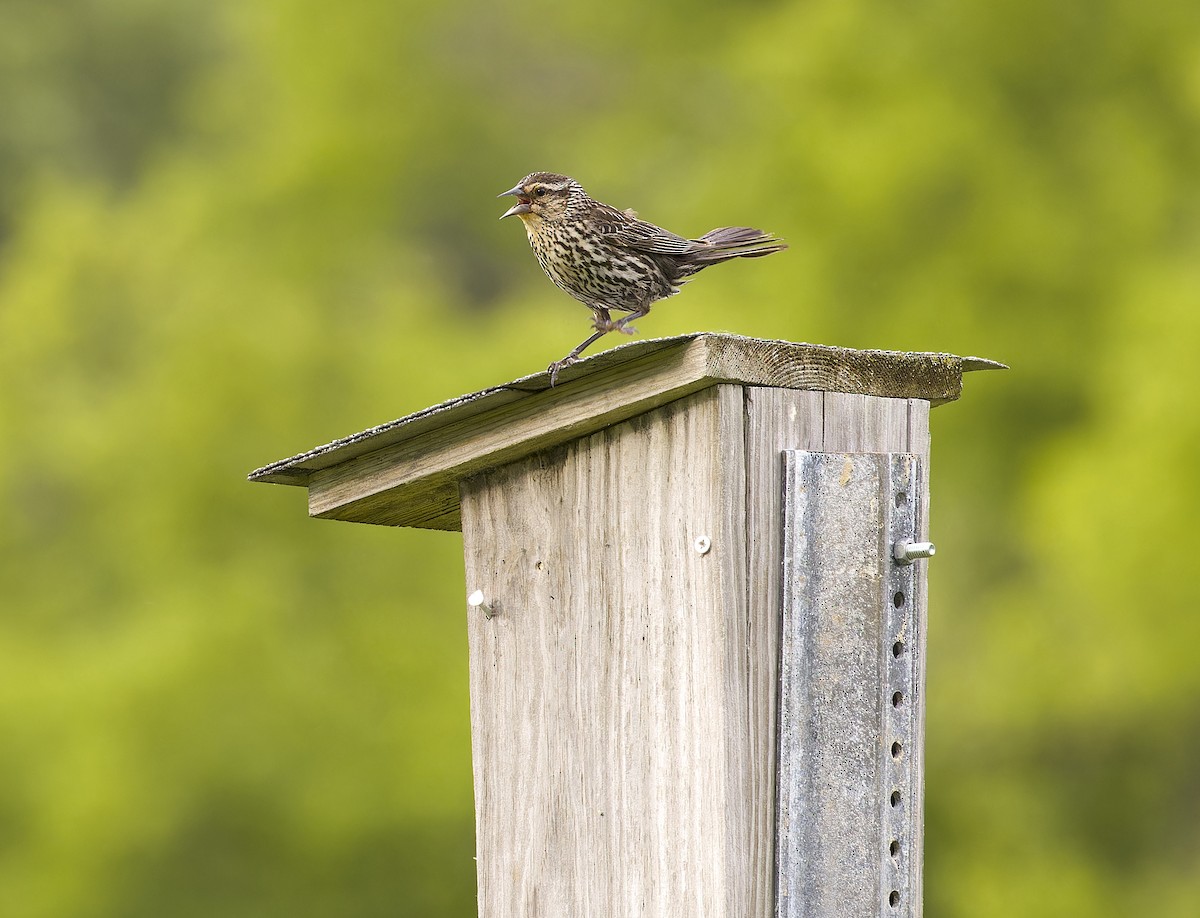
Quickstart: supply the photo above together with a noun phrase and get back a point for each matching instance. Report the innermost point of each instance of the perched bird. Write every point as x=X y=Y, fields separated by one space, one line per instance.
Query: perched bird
x=610 y=260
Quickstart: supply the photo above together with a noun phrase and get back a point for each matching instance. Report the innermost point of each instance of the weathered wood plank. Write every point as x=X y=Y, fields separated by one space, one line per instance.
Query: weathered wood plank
x=776 y=419
x=406 y=473
x=395 y=485
x=610 y=711
x=862 y=424
x=918 y=428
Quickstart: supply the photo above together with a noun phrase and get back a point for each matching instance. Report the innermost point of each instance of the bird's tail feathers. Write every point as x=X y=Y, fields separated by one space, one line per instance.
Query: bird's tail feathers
x=738 y=242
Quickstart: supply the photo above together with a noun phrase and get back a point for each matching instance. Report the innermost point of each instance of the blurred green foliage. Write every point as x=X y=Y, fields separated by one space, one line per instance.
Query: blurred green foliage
x=230 y=231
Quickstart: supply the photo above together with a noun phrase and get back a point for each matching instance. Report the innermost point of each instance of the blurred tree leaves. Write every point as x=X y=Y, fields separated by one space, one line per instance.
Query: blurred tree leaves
x=231 y=231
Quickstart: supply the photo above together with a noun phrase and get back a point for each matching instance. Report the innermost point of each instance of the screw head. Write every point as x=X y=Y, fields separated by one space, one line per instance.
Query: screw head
x=703 y=544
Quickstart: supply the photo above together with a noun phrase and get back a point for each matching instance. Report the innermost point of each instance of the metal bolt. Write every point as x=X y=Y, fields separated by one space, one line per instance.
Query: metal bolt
x=703 y=544
x=475 y=601
x=908 y=552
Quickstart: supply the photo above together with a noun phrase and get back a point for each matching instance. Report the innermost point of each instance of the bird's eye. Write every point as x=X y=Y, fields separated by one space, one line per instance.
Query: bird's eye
x=540 y=191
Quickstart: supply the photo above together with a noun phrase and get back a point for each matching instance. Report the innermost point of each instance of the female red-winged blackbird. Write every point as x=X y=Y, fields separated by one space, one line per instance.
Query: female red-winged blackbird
x=608 y=259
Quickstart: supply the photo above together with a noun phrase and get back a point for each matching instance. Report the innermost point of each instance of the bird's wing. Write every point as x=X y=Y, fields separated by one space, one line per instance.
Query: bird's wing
x=624 y=229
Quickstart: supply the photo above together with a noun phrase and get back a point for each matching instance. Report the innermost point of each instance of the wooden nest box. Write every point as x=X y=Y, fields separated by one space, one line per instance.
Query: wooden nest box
x=697 y=620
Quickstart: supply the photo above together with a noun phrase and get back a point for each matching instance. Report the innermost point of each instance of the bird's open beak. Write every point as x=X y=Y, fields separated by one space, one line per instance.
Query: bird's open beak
x=522 y=205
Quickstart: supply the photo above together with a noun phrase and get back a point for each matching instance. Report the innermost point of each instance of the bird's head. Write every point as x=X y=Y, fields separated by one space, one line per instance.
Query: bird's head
x=541 y=195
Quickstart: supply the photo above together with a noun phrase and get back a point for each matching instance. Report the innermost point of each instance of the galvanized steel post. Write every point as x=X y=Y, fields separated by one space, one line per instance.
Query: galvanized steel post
x=851 y=687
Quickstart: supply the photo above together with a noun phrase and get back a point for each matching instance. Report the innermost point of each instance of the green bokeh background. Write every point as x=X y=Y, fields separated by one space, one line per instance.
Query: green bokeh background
x=232 y=230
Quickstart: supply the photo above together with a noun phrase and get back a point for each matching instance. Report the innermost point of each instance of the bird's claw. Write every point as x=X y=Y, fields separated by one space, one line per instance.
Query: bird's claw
x=604 y=326
x=557 y=366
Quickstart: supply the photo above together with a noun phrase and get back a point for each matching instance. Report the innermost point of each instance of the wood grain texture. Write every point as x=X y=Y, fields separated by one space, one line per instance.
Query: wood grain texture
x=416 y=480
x=610 y=713
x=406 y=472
x=624 y=696
x=775 y=420
x=861 y=424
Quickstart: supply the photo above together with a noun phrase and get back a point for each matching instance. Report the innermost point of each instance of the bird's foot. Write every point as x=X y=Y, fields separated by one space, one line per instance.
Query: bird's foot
x=623 y=326
x=555 y=368
x=606 y=325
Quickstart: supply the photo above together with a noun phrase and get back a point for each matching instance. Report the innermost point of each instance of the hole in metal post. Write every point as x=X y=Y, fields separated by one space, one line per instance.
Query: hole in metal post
x=901 y=626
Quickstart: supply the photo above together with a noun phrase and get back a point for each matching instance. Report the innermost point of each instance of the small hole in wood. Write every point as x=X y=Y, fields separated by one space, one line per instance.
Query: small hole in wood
x=896 y=750
x=897 y=697
x=894 y=898
x=897 y=648
x=894 y=848
x=898 y=599
x=895 y=798
x=901 y=497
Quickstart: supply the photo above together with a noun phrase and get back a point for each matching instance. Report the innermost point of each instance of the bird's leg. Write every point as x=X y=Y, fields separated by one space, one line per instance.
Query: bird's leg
x=555 y=367
x=603 y=323
x=622 y=325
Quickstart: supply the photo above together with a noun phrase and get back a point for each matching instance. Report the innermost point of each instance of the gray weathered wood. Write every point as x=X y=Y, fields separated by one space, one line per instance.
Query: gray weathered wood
x=648 y=739
x=610 y=714
x=624 y=692
x=406 y=473
x=776 y=419
x=851 y=691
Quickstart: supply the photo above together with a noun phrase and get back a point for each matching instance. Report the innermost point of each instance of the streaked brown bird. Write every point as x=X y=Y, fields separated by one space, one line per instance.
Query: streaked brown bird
x=610 y=260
